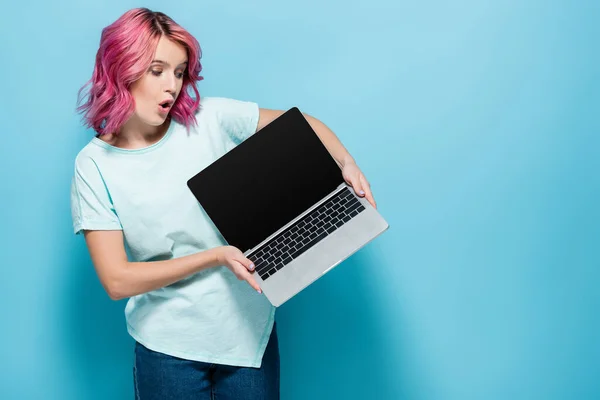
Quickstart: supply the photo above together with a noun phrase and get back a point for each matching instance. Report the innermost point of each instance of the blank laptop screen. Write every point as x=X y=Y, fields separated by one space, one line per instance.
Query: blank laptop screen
x=266 y=181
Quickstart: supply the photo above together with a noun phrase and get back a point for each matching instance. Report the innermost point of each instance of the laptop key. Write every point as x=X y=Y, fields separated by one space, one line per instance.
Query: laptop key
x=309 y=245
x=298 y=253
x=264 y=267
x=352 y=207
x=260 y=263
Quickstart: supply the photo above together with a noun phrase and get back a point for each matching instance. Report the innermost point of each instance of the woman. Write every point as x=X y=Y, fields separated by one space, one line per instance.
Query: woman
x=201 y=326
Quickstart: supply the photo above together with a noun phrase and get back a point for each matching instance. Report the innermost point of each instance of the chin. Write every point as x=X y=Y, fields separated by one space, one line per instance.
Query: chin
x=156 y=121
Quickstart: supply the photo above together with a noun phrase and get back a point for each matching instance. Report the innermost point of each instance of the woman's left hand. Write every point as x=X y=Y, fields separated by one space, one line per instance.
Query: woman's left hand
x=355 y=178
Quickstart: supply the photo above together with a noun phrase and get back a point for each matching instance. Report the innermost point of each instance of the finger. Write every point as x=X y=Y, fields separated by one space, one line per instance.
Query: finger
x=368 y=192
x=250 y=279
x=245 y=275
x=246 y=263
x=239 y=270
x=358 y=188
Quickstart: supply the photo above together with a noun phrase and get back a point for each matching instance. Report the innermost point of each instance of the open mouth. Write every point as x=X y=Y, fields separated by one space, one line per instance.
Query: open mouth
x=165 y=106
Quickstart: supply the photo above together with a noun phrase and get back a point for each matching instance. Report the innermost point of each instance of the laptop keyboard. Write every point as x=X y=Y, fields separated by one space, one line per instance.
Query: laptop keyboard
x=305 y=233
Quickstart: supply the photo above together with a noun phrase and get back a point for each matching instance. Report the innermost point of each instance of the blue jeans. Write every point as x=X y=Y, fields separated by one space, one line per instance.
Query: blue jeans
x=161 y=377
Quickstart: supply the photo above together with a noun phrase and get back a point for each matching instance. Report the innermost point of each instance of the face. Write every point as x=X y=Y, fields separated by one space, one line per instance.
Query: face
x=156 y=91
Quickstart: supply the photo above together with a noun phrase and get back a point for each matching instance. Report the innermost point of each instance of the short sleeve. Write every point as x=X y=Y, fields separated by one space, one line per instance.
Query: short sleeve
x=239 y=119
x=91 y=205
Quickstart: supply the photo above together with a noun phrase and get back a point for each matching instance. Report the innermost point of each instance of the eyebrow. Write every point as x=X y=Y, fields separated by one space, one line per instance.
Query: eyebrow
x=166 y=63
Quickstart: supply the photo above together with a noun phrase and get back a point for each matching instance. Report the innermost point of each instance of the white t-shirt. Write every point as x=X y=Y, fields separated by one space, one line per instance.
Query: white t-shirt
x=210 y=316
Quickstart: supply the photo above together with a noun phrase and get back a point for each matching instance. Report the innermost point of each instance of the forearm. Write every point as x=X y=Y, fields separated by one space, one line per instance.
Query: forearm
x=141 y=277
x=331 y=141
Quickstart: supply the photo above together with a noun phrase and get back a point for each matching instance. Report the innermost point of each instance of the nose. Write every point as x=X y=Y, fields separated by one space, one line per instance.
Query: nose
x=171 y=84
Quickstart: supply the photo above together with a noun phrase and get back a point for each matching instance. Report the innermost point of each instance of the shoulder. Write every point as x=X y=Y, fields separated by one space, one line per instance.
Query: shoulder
x=225 y=105
x=235 y=118
x=85 y=158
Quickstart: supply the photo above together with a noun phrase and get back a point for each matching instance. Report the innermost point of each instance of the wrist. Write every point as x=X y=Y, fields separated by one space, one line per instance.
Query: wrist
x=347 y=159
x=216 y=254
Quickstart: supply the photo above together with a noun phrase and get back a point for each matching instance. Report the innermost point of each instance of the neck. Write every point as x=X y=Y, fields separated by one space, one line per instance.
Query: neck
x=136 y=134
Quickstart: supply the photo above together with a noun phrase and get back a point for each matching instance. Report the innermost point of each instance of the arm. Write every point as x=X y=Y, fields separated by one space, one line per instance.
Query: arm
x=329 y=139
x=350 y=170
x=121 y=278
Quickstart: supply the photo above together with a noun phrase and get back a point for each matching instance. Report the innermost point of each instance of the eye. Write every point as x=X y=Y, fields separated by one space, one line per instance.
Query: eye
x=179 y=75
x=156 y=73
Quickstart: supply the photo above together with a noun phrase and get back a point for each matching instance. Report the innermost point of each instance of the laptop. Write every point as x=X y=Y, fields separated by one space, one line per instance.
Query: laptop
x=280 y=197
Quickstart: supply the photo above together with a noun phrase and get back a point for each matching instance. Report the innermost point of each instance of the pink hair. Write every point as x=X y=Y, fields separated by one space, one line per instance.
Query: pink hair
x=125 y=53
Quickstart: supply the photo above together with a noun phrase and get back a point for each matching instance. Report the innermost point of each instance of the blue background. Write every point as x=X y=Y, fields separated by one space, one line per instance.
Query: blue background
x=476 y=123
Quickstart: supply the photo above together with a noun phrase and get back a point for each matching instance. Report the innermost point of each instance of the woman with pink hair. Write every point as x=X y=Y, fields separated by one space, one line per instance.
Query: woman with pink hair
x=202 y=329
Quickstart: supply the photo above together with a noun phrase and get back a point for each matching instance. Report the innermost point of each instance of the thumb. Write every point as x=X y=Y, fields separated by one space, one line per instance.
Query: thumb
x=248 y=264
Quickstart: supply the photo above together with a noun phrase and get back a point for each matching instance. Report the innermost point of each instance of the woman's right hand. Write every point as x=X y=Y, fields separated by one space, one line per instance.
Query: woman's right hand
x=242 y=268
